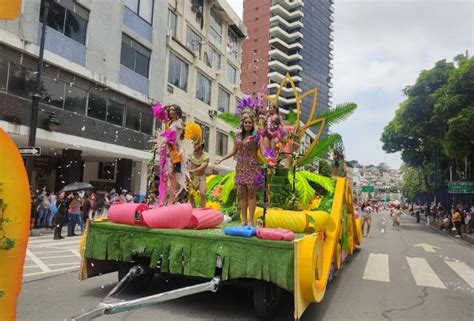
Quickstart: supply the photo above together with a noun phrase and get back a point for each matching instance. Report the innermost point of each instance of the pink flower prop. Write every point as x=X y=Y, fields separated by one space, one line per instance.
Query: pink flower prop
x=159 y=112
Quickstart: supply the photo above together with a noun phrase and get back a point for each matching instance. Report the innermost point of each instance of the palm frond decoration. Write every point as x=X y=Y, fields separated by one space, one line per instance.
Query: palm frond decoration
x=215 y=181
x=228 y=187
x=232 y=120
x=338 y=113
x=324 y=182
x=321 y=149
x=303 y=189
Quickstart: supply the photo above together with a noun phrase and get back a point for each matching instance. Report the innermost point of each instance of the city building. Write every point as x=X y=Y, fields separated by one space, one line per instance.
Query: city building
x=204 y=57
x=105 y=64
x=289 y=36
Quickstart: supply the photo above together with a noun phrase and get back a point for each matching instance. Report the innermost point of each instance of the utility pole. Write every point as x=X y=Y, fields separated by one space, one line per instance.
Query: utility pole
x=37 y=94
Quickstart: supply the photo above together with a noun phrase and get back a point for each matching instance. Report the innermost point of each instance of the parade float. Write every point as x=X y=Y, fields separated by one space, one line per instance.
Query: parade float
x=304 y=229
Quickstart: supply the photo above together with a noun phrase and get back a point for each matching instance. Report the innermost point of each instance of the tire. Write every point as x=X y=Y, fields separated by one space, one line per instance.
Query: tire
x=138 y=284
x=266 y=299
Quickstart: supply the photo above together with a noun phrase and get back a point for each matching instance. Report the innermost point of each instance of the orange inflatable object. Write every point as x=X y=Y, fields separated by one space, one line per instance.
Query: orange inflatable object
x=14 y=224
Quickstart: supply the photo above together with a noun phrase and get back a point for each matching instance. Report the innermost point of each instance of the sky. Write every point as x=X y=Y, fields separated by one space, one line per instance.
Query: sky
x=380 y=48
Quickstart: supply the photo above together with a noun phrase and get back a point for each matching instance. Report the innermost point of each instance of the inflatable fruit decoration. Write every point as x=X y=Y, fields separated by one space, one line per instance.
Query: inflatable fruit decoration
x=14 y=224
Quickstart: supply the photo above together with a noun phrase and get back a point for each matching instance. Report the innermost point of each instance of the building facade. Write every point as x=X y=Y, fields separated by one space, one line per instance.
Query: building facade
x=203 y=75
x=289 y=36
x=105 y=64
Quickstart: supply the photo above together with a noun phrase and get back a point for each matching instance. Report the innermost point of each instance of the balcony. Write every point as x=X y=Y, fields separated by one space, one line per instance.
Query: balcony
x=277 y=9
x=278 y=77
x=289 y=5
x=331 y=8
x=291 y=46
x=285 y=92
x=285 y=23
x=275 y=65
x=278 y=32
x=277 y=54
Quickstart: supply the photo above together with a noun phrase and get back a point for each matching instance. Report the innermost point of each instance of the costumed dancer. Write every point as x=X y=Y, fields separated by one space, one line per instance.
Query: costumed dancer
x=273 y=134
x=247 y=170
x=169 y=147
x=176 y=152
x=198 y=162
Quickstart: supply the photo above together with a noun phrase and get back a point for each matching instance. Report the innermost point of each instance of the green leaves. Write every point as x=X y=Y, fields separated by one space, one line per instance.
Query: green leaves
x=231 y=119
x=324 y=182
x=303 y=189
x=228 y=186
x=321 y=149
x=338 y=114
x=292 y=117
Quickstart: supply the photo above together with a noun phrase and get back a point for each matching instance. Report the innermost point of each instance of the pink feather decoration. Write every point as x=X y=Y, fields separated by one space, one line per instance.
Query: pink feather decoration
x=169 y=136
x=159 y=112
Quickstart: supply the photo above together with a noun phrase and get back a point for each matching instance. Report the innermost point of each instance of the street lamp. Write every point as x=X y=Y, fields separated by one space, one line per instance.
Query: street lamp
x=37 y=95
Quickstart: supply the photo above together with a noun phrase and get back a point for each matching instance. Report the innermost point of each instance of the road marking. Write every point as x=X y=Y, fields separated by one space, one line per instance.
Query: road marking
x=463 y=270
x=51 y=271
x=38 y=262
x=428 y=247
x=57 y=256
x=48 y=244
x=51 y=252
x=382 y=230
x=76 y=253
x=59 y=264
x=423 y=273
x=376 y=268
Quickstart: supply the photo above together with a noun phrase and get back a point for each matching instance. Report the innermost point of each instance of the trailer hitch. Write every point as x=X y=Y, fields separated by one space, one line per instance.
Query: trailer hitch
x=112 y=305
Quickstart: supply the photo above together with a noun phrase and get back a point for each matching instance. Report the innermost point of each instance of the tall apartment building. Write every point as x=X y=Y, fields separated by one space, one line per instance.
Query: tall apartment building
x=289 y=36
x=106 y=62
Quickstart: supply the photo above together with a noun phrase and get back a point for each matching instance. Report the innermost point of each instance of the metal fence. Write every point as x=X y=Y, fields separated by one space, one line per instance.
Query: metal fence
x=445 y=198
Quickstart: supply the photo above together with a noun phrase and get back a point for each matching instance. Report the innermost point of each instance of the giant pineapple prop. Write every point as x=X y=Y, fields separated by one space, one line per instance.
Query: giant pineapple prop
x=14 y=225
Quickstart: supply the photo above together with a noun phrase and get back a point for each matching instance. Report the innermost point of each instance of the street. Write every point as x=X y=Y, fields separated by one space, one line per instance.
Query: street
x=412 y=274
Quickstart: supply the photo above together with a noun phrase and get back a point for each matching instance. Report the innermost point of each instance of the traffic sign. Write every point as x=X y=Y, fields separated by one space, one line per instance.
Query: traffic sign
x=367 y=189
x=30 y=151
x=461 y=187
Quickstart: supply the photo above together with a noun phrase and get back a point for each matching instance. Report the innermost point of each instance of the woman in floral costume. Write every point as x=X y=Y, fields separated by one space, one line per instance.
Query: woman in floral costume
x=245 y=147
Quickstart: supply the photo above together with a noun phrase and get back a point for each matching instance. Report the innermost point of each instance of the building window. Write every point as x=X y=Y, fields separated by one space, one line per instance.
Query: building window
x=71 y=21
x=223 y=101
x=142 y=8
x=75 y=100
x=53 y=91
x=3 y=74
x=193 y=41
x=213 y=59
x=231 y=73
x=115 y=112
x=172 y=23
x=139 y=121
x=147 y=124
x=133 y=119
x=215 y=26
x=178 y=72
x=135 y=56
x=237 y=103
x=203 y=88
x=97 y=106
x=21 y=81
x=233 y=46
x=206 y=134
x=221 y=144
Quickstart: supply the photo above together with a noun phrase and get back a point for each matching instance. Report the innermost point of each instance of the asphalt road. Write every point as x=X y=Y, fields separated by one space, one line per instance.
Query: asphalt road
x=390 y=278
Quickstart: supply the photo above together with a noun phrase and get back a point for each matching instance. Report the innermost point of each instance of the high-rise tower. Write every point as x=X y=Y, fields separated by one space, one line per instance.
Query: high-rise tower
x=289 y=36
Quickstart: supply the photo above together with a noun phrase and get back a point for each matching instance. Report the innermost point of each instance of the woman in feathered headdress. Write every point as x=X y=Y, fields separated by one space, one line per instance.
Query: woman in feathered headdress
x=198 y=162
x=246 y=146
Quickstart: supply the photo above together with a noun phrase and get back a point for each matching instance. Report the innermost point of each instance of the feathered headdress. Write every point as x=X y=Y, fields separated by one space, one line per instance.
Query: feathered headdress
x=193 y=132
x=247 y=108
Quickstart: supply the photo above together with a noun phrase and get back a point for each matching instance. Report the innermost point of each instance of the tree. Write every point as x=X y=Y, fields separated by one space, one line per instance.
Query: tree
x=435 y=119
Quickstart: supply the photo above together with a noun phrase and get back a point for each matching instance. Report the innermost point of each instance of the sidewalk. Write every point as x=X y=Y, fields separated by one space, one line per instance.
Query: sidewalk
x=466 y=237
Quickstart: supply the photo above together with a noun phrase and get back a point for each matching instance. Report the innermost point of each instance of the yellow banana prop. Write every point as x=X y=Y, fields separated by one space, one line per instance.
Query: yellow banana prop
x=14 y=225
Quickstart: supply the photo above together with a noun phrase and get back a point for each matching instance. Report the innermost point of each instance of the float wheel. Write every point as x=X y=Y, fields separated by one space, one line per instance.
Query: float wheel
x=266 y=299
